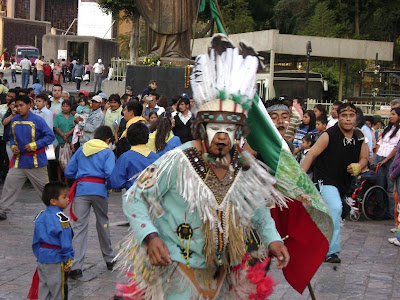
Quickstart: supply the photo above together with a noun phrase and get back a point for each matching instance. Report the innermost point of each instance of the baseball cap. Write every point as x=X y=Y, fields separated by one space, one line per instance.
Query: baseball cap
x=186 y=96
x=102 y=95
x=97 y=98
x=85 y=93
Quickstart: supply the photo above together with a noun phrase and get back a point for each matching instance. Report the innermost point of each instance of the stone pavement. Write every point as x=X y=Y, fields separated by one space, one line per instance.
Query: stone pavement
x=369 y=270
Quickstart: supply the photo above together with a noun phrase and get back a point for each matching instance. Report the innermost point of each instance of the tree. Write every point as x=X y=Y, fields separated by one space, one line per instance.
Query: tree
x=322 y=23
x=125 y=10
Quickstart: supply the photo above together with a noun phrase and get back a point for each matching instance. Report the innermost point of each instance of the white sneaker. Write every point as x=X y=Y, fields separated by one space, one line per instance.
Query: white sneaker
x=393 y=229
x=397 y=243
x=392 y=240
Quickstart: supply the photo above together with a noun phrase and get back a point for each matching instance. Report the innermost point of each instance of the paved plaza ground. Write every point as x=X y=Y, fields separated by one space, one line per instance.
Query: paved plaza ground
x=370 y=267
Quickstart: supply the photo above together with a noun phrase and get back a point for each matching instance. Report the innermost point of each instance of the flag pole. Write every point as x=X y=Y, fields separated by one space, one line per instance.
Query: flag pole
x=310 y=289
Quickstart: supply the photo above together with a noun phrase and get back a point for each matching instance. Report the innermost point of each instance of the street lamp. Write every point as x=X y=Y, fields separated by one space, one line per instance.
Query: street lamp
x=309 y=50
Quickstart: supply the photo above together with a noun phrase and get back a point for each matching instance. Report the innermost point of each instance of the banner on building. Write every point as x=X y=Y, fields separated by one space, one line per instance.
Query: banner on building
x=92 y=21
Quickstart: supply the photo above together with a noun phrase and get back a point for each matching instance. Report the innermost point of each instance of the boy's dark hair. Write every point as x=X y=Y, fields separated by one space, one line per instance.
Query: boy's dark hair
x=5 y=80
x=155 y=94
x=91 y=94
x=24 y=98
x=52 y=190
x=184 y=100
x=67 y=102
x=337 y=103
x=44 y=97
x=125 y=97
x=36 y=81
x=322 y=119
x=29 y=90
x=103 y=133
x=57 y=84
x=115 y=97
x=153 y=81
x=370 y=119
x=138 y=134
x=136 y=107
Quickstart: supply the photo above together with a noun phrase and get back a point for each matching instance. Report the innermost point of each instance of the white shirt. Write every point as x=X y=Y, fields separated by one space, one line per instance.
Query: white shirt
x=46 y=115
x=184 y=118
x=25 y=64
x=14 y=66
x=98 y=68
x=387 y=144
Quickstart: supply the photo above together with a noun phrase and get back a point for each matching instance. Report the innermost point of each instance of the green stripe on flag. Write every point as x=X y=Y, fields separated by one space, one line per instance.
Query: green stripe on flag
x=264 y=137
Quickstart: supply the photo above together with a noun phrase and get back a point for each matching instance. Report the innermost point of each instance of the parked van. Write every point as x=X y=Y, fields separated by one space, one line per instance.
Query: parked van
x=23 y=50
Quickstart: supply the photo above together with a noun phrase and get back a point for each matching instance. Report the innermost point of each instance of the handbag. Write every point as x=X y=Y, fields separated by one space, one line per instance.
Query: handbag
x=86 y=77
x=50 y=153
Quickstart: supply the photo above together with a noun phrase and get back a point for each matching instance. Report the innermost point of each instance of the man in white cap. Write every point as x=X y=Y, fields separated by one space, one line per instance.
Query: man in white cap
x=98 y=73
x=94 y=120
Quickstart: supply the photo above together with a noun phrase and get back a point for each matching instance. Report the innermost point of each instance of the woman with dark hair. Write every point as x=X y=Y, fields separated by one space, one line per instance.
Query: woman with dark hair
x=319 y=110
x=162 y=139
x=307 y=126
x=385 y=152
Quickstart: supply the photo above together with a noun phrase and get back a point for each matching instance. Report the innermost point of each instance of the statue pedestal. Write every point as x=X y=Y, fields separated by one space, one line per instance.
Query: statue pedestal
x=171 y=80
x=178 y=61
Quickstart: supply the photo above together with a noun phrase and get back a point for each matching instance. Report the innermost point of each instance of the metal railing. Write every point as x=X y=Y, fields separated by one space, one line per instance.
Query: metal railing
x=119 y=66
x=368 y=108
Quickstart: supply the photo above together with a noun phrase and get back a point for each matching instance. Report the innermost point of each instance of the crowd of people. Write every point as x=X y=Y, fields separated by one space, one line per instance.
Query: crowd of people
x=159 y=148
x=46 y=73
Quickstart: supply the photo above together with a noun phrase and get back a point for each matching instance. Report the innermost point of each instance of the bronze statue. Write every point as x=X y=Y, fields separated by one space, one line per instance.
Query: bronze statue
x=169 y=26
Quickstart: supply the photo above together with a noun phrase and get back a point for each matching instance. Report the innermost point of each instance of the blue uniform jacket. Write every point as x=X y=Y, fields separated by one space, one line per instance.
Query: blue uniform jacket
x=99 y=165
x=52 y=227
x=129 y=164
x=31 y=130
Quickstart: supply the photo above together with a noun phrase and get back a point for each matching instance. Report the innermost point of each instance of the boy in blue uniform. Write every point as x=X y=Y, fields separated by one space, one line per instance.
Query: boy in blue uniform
x=52 y=242
x=91 y=167
x=134 y=161
x=29 y=137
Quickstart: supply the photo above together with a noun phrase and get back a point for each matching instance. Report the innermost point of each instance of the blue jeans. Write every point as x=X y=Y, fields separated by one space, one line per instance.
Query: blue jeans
x=25 y=78
x=332 y=198
x=40 y=77
x=13 y=75
x=384 y=181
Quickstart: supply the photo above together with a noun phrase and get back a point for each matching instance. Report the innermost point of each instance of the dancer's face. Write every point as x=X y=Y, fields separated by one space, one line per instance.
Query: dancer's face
x=220 y=137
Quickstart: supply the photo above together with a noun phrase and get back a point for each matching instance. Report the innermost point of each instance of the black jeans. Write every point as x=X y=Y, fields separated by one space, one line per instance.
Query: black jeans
x=3 y=159
x=78 y=83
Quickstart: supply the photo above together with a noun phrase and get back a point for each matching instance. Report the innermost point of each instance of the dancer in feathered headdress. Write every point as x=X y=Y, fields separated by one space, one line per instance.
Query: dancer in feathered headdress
x=194 y=210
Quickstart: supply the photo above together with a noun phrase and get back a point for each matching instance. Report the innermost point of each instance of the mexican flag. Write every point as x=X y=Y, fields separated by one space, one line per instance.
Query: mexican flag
x=306 y=221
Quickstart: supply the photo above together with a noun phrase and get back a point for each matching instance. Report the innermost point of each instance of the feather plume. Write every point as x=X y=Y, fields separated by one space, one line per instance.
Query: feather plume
x=225 y=68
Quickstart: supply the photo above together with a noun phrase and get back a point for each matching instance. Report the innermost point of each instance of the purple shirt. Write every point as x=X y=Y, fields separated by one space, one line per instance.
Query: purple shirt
x=394 y=169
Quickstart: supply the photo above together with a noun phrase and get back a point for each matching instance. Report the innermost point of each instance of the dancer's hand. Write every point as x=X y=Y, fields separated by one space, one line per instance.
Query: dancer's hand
x=279 y=250
x=158 y=252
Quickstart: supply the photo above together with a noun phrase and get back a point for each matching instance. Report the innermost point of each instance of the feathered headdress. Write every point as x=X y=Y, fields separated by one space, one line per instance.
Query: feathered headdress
x=224 y=73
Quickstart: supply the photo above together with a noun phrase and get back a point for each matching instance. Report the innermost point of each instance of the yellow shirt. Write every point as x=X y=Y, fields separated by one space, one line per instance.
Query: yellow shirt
x=111 y=116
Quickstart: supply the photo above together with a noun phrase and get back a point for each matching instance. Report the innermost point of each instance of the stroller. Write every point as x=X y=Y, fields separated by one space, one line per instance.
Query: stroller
x=367 y=198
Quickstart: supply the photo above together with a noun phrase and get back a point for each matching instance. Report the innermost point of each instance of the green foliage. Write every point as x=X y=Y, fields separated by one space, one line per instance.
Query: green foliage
x=237 y=16
x=322 y=23
x=114 y=7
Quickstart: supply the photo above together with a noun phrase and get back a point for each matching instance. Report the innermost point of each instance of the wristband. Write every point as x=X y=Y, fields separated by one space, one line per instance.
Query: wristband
x=149 y=237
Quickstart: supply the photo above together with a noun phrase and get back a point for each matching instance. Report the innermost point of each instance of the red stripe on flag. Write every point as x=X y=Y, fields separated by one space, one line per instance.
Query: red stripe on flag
x=306 y=244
